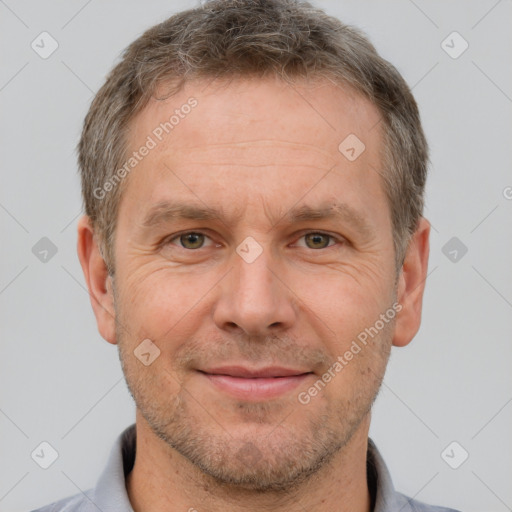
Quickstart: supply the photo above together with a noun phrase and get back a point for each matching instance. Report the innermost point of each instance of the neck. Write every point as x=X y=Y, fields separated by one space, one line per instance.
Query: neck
x=162 y=479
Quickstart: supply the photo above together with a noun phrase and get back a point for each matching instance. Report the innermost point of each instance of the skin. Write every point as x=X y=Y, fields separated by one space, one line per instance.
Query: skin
x=254 y=149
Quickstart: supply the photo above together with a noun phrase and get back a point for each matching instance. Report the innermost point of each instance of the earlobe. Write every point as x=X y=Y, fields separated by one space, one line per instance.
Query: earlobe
x=99 y=283
x=411 y=285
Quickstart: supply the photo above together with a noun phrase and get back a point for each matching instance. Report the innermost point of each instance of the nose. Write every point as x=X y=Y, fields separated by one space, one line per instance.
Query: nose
x=253 y=299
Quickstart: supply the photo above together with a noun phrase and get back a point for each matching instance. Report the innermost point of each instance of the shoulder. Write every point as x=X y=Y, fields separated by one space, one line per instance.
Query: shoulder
x=81 y=502
x=419 y=506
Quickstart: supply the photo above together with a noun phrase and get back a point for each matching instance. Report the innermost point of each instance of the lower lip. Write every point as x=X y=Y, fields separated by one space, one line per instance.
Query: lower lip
x=256 y=389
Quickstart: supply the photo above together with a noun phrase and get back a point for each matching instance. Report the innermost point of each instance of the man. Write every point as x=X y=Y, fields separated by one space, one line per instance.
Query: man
x=253 y=177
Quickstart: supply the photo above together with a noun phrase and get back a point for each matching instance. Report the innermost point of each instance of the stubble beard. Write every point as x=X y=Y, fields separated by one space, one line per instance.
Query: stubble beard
x=279 y=461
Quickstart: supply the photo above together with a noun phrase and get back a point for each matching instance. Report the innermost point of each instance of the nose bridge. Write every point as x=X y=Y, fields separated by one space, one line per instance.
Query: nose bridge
x=253 y=298
x=254 y=279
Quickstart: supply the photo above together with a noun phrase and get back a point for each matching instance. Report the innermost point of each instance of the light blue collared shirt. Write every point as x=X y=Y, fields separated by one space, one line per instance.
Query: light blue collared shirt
x=110 y=494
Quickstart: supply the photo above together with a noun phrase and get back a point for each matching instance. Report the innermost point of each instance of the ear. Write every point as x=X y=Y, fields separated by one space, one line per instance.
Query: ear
x=98 y=281
x=411 y=285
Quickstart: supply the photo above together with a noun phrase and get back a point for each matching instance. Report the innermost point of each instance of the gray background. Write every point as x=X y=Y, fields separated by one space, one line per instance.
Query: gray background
x=61 y=383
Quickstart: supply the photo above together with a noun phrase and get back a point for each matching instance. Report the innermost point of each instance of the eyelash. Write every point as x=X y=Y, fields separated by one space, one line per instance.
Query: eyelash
x=168 y=240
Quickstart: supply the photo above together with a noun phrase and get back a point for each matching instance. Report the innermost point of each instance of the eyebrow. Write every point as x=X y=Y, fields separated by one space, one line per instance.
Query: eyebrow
x=329 y=211
x=167 y=211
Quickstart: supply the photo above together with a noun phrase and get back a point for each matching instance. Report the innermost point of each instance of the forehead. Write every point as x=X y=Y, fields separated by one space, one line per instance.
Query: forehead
x=307 y=116
x=259 y=134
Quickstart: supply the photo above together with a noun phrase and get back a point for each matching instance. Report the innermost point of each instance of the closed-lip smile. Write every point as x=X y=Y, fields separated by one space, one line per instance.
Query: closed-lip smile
x=255 y=384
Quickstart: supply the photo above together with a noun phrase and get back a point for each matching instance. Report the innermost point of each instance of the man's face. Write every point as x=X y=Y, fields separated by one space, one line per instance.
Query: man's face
x=250 y=308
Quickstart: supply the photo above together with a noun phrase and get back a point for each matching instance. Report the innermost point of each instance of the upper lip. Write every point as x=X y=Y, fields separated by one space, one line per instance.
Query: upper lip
x=241 y=371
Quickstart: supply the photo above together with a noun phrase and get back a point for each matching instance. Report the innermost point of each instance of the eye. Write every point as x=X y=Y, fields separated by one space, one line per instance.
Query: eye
x=318 y=240
x=190 y=240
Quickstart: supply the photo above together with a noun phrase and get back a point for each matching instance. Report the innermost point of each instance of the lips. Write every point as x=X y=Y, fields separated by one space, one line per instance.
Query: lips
x=240 y=371
x=255 y=384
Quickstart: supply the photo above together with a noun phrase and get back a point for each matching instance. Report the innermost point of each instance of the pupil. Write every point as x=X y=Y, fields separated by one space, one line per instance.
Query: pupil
x=192 y=239
x=316 y=239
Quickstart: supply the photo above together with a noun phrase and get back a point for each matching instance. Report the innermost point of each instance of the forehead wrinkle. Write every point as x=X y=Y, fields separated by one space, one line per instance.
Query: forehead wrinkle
x=238 y=164
x=305 y=156
x=246 y=155
x=257 y=142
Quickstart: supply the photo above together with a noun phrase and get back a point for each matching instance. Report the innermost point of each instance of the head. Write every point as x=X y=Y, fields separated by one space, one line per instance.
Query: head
x=253 y=176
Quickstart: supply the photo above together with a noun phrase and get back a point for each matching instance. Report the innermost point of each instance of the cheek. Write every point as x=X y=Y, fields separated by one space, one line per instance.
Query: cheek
x=164 y=305
x=345 y=301
x=144 y=381
x=362 y=359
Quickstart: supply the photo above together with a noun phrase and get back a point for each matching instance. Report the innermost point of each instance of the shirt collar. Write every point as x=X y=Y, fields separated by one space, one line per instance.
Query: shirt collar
x=379 y=480
x=110 y=494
